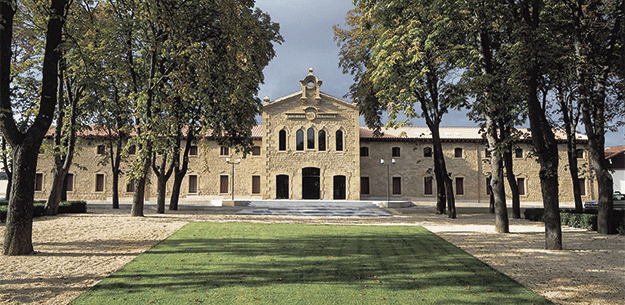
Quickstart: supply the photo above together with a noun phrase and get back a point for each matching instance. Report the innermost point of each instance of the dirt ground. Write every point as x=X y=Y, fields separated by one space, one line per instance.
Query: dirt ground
x=74 y=252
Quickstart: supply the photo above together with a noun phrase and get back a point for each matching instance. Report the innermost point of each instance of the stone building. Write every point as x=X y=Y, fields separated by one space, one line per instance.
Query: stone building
x=311 y=146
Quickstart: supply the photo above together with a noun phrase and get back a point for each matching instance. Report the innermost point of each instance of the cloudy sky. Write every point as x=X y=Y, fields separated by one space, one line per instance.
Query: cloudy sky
x=309 y=43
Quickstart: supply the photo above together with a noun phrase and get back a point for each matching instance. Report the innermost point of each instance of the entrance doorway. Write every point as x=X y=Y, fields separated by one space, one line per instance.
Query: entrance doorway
x=310 y=183
x=339 y=187
x=282 y=187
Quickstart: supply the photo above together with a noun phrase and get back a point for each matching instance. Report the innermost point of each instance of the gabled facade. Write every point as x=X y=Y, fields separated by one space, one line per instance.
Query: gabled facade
x=311 y=146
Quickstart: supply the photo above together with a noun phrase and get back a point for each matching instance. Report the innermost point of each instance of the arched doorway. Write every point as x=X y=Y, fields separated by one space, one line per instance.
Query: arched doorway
x=339 y=187
x=310 y=183
x=282 y=187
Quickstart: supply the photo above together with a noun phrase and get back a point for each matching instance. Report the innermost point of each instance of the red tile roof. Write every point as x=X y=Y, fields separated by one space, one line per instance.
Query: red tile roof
x=613 y=151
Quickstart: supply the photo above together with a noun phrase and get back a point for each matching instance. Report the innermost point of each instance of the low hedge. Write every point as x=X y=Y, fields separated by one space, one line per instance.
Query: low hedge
x=65 y=207
x=578 y=220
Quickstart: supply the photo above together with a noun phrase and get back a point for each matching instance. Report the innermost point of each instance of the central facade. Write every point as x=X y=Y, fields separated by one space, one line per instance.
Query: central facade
x=311 y=143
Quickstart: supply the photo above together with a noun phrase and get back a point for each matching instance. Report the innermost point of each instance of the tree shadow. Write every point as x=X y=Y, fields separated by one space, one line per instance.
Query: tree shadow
x=204 y=257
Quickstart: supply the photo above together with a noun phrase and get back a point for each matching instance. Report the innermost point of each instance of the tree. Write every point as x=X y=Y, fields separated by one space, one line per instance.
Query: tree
x=7 y=166
x=407 y=60
x=26 y=142
x=64 y=138
x=530 y=39
x=599 y=45
x=203 y=55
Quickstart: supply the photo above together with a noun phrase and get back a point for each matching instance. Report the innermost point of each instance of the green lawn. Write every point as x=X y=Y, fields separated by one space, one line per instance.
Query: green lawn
x=242 y=263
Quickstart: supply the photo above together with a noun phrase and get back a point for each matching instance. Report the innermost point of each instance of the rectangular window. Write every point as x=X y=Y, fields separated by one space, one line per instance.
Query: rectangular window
x=224 y=151
x=130 y=187
x=488 y=188
x=459 y=186
x=458 y=152
x=396 y=185
x=223 y=184
x=101 y=149
x=193 y=150
x=364 y=185
x=518 y=153
x=255 y=184
x=582 y=186
x=395 y=152
x=192 y=184
x=132 y=150
x=521 y=185
x=364 y=151
x=428 y=186
x=256 y=151
x=579 y=153
x=69 y=182
x=38 y=182
x=99 y=182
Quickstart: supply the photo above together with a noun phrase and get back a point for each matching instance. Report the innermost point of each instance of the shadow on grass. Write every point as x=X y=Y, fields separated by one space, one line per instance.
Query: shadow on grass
x=221 y=258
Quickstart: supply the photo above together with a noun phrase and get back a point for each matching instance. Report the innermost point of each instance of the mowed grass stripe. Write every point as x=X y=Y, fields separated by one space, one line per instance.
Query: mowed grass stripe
x=243 y=263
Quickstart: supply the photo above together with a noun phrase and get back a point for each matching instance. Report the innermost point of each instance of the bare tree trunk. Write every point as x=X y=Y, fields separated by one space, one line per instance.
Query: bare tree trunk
x=441 y=196
x=19 y=221
x=514 y=188
x=496 y=180
x=439 y=160
x=180 y=170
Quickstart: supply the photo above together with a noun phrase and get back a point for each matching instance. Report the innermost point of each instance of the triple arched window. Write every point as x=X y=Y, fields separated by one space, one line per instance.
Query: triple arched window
x=308 y=140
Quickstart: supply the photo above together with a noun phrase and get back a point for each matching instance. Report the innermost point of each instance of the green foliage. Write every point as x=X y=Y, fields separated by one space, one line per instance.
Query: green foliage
x=586 y=221
x=243 y=263
x=578 y=220
x=65 y=207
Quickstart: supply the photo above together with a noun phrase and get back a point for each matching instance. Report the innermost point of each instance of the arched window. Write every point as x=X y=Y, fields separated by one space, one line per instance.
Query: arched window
x=339 y=140
x=427 y=152
x=282 y=140
x=299 y=138
x=310 y=137
x=322 y=140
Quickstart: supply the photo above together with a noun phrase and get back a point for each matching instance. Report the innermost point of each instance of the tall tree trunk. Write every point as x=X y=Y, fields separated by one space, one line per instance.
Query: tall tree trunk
x=596 y=139
x=543 y=138
x=439 y=159
x=496 y=179
x=180 y=170
x=25 y=146
x=19 y=221
x=514 y=188
x=441 y=196
x=64 y=151
x=162 y=176
x=115 y=194
x=572 y=155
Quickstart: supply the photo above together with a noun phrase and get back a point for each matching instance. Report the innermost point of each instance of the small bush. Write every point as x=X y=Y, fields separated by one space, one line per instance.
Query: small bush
x=534 y=214
x=72 y=207
x=577 y=220
x=65 y=207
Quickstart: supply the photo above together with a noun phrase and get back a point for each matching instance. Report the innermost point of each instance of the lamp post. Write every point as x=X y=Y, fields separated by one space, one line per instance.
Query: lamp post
x=233 y=163
x=388 y=178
